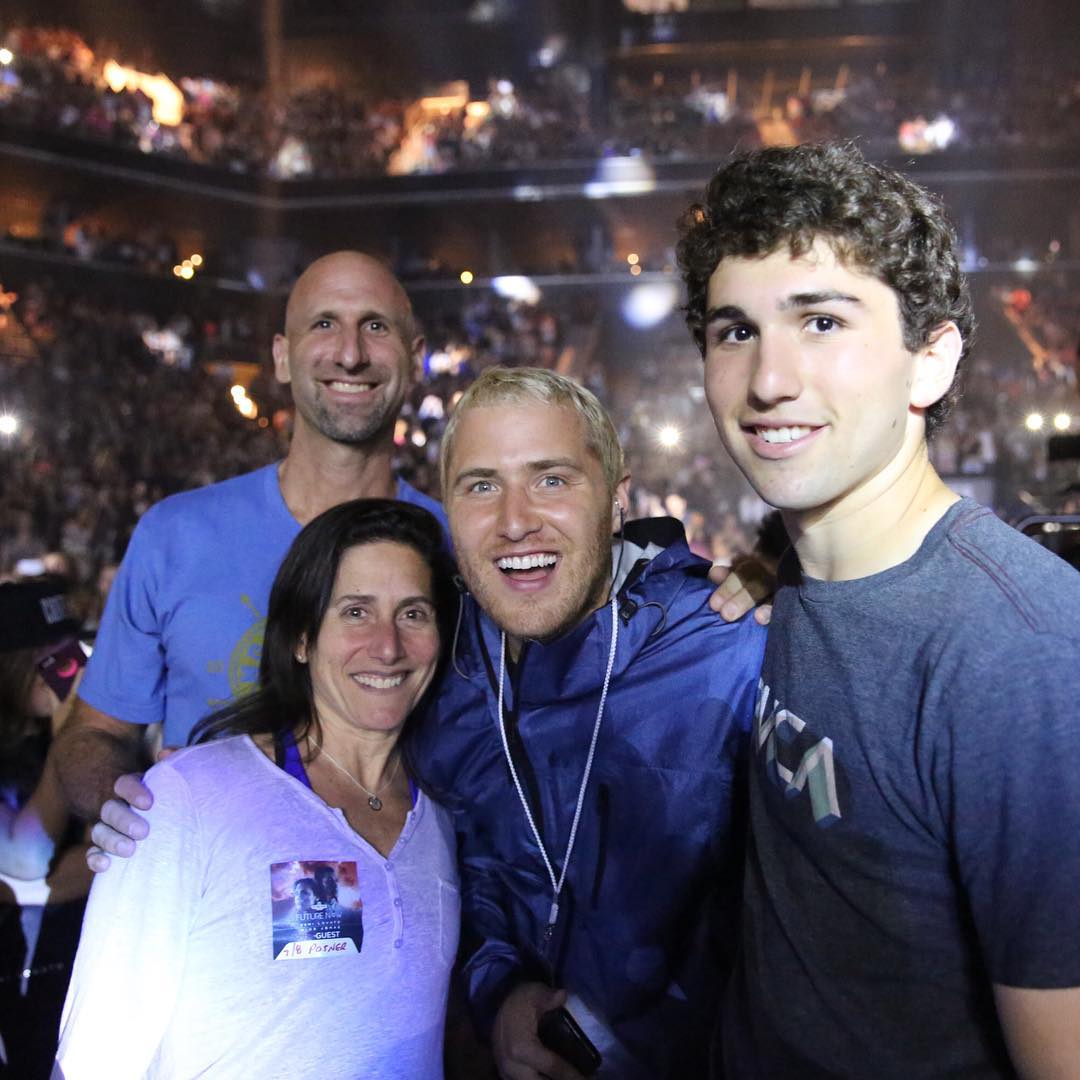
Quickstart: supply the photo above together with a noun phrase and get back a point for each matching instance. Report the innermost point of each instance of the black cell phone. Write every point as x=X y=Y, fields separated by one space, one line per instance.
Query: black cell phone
x=60 y=668
x=560 y=1032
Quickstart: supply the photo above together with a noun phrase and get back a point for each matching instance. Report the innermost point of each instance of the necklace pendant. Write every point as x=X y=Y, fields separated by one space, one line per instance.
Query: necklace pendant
x=374 y=802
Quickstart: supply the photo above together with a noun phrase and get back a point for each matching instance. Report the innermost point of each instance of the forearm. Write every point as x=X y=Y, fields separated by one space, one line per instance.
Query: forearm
x=1042 y=1031
x=489 y=980
x=492 y=967
x=88 y=760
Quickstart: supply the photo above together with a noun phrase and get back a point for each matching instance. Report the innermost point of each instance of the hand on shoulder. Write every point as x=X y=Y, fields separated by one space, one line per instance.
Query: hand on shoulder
x=120 y=828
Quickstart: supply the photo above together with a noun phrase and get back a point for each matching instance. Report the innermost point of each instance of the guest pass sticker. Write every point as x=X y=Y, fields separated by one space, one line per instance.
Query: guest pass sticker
x=317 y=909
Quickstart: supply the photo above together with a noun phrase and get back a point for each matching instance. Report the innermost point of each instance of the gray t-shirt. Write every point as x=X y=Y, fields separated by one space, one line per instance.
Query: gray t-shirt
x=915 y=811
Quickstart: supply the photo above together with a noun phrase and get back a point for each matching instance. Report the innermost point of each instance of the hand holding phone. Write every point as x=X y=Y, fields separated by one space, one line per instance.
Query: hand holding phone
x=61 y=667
x=516 y=1039
x=562 y=1034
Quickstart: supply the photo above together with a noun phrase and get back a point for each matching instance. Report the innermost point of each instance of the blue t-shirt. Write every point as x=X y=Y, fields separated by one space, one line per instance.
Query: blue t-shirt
x=915 y=811
x=183 y=627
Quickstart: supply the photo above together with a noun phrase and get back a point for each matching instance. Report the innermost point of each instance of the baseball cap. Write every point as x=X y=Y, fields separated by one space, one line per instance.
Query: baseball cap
x=34 y=613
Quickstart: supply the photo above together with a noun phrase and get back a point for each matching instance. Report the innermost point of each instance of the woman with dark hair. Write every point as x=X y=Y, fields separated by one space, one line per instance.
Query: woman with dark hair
x=216 y=951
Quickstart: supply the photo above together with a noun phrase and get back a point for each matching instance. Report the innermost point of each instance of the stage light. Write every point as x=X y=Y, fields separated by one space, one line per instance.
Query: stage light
x=621 y=176
x=635 y=270
x=1062 y=421
x=8 y=424
x=431 y=408
x=419 y=438
x=517 y=287
x=650 y=303
x=669 y=436
x=6 y=56
x=1033 y=421
x=633 y=258
x=196 y=260
x=166 y=97
x=527 y=193
x=238 y=392
x=466 y=277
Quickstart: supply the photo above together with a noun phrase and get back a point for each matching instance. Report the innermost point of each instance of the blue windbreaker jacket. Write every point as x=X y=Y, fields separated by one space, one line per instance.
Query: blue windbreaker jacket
x=659 y=844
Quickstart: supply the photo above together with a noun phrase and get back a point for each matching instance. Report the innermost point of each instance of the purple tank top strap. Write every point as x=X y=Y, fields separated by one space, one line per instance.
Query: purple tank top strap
x=293 y=763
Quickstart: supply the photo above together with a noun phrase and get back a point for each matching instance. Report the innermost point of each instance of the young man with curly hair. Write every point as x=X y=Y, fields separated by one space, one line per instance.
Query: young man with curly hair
x=910 y=898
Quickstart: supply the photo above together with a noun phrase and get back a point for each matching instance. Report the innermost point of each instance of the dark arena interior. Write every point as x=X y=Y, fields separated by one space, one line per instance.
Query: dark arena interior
x=521 y=167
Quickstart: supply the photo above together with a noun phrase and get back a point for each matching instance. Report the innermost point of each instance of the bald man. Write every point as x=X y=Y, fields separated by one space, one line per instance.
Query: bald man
x=182 y=630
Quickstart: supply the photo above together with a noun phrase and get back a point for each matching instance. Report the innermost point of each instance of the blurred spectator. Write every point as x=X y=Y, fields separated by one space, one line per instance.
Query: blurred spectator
x=56 y=82
x=118 y=408
x=43 y=874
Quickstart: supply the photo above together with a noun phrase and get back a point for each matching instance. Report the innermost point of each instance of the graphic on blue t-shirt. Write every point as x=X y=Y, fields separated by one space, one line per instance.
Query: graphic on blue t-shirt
x=317 y=909
x=795 y=759
x=241 y=668
x=246 y=653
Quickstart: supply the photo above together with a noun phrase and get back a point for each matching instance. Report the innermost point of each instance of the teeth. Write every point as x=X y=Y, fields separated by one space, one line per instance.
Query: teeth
x=351 y=388
x=380 y=682
x=525 y=562
x=782 y=434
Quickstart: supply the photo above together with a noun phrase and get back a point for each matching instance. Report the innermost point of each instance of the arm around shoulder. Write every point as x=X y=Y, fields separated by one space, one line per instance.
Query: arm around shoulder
x=91 y=751
x=1042 y=1030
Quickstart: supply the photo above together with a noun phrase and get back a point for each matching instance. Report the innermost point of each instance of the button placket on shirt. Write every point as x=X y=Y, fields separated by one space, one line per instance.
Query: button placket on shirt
x=392 y=888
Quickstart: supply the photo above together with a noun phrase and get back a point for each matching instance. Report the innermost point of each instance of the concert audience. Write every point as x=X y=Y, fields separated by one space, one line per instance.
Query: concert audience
x=118 y=408
x=56 y=82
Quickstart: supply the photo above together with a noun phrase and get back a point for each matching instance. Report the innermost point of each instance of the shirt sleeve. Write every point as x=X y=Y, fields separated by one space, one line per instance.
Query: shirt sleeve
x=1009 y=789
x=134 y=941
x=125 y=676
x=492 y=964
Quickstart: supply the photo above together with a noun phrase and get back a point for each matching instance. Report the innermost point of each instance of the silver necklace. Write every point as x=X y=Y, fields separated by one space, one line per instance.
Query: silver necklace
x=373 y=796
x=557 y=882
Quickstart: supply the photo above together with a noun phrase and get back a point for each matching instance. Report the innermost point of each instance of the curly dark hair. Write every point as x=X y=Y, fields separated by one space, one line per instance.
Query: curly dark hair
x=875 y=219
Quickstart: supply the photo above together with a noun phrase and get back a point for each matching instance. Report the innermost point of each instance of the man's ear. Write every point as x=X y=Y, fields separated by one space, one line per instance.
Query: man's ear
x=419 y=345
x=620 y=504
x=935 y=365
x=280 y=351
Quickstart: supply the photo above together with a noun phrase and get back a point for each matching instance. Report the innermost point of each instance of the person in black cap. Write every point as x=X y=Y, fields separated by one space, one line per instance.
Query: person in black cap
x=43 y=875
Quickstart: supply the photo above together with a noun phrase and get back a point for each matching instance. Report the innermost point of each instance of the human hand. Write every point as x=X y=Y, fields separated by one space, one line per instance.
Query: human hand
x=120 y=828
x=747 y=582
x=62 y=709
x=519 y=1053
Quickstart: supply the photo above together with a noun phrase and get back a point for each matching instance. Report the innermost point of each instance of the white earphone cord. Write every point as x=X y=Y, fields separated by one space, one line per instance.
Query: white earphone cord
x=556 y=885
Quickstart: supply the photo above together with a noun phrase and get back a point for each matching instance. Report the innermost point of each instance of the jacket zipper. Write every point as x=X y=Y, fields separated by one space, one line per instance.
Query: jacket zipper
x=517 y=747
